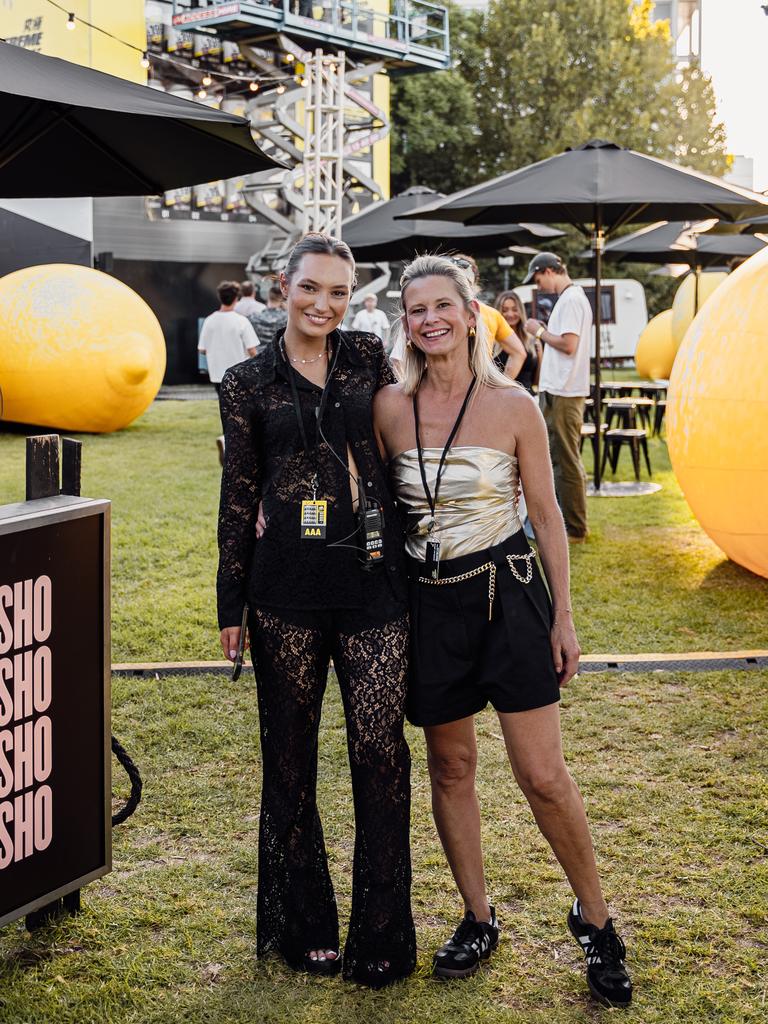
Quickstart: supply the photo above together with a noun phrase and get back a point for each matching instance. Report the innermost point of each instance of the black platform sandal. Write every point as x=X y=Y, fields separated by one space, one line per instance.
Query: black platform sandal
x=323 y=968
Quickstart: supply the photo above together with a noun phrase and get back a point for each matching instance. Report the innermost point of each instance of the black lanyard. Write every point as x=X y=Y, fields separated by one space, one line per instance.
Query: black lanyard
x=562 y=293
x=295 y=395
x=432 y=502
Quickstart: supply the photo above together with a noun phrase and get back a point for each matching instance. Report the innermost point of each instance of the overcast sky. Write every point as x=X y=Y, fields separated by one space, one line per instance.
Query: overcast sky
x=734 y=49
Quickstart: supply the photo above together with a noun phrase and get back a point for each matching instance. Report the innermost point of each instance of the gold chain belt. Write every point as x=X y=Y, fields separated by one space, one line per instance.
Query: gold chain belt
x=489 y=567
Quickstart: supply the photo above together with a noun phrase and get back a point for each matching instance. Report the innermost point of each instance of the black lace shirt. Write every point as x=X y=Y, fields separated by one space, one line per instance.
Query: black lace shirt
x=266 y=461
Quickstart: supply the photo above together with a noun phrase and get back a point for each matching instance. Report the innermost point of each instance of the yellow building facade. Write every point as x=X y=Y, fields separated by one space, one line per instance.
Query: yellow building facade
x=38 y=25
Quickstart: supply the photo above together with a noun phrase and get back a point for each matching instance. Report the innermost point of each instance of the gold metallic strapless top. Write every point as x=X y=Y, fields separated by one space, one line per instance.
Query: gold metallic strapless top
x=477 y=502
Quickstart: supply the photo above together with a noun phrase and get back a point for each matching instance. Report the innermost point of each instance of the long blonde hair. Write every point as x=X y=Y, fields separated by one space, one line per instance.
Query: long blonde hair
x=413 y=364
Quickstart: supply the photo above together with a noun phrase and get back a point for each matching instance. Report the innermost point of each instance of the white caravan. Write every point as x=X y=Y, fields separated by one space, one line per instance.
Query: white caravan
x=625 y=313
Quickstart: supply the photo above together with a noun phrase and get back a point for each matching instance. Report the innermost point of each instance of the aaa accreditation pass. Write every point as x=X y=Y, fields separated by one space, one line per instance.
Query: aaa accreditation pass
x=55 y=788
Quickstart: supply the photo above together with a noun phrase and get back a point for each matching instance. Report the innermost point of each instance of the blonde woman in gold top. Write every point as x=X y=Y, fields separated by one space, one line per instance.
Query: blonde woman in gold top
x=460 y=437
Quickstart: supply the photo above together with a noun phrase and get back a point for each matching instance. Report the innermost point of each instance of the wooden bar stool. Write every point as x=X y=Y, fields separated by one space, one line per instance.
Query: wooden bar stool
x=653 y=389
x=658 y=416
x=644 y=410
x=634 y=440
x=621 y=409
x=588 y=431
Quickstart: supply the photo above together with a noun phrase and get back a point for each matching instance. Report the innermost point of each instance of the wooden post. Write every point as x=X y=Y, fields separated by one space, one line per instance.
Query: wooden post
x=71 y=460
x=42 y=466
x=43 y=482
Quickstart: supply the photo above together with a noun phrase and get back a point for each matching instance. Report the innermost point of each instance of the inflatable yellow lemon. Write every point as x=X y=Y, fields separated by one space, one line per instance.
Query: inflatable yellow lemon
x=717 y=416
x=79 y=350
x=655 y=352
x=684 y=302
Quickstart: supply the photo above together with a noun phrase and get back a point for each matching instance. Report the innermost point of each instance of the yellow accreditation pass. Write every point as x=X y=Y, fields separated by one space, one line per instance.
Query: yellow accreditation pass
x=314 y=519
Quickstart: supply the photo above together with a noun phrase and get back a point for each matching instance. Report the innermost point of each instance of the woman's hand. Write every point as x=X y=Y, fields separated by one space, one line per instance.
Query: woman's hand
x=261 y=522
x=565 y=648
x=230 y=641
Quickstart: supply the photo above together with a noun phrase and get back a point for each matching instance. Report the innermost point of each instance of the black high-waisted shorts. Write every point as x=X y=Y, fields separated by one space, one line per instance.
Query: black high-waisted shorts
x=460 y=659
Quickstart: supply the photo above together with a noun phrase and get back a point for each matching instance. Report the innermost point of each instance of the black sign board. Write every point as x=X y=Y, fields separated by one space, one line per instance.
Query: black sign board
x=55 y=780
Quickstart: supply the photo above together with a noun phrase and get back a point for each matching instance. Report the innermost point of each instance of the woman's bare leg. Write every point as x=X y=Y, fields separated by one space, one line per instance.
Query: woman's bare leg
x=535 y=752
x=452 y=759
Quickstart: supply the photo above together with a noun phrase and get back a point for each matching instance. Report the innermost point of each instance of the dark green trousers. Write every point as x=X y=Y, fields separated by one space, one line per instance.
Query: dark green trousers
x=564 y=417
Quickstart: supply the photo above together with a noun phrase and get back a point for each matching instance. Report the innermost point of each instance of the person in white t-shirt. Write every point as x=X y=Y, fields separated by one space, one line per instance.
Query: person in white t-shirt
x=247 y=305
x=564 y=382
x=226 y=337
x=372 y=320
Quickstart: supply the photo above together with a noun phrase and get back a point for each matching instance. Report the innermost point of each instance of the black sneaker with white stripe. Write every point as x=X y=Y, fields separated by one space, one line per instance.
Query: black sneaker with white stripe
x=472 y=942
x=607 y=976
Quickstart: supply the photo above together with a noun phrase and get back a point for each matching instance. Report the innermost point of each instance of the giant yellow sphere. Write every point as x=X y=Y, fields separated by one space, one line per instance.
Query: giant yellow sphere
x=717 y=416
x=79 y=350
x=684 y=303
x=655 y=352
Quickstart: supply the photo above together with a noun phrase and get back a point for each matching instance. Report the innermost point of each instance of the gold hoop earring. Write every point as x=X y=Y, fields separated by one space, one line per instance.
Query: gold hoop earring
x=472 y=336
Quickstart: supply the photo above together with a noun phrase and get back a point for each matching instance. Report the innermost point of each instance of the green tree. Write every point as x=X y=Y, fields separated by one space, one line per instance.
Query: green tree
x=530 y=79
x=435 y=133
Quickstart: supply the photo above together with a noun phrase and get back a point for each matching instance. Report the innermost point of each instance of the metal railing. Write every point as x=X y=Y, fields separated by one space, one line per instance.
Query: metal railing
x=409 y=25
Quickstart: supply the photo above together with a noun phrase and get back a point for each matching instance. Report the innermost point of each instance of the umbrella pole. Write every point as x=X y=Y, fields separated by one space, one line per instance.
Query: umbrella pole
x=598 y=243
x=697 y=281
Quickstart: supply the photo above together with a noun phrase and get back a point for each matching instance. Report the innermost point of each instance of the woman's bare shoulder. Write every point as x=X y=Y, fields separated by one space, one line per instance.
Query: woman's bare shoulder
x=390 y=398
x=511 y=398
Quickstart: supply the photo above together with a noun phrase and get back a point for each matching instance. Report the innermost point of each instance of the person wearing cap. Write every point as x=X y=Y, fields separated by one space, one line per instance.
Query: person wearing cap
x=564 y=382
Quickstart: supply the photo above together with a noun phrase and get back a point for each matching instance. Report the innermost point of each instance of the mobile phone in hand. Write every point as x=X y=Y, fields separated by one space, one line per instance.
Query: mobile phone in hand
x=238 y=665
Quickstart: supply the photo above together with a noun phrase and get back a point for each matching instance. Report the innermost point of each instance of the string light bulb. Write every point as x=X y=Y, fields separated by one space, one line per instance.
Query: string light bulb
x=289 y=58
x=71 y=23
x=302 y=82
x=280 y=90
x=201 y=94
x=254 y=86
x=144 y=59
x=207 y=80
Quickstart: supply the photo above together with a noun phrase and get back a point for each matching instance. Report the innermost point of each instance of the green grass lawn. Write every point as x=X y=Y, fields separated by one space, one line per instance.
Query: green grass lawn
x=648 y=580
x=673 y=767
x=674 y=771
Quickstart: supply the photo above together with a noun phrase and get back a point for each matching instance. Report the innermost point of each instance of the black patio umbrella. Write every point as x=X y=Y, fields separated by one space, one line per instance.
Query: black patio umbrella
x=66 y=130
x=376 y=235
x=598 y=187
x=680 y=242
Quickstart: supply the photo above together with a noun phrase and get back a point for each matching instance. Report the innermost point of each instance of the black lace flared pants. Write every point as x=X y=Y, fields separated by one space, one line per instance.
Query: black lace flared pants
x=296 y=909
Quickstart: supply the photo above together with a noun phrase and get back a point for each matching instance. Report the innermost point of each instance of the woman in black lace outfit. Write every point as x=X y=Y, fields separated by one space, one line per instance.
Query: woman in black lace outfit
x=299 y=433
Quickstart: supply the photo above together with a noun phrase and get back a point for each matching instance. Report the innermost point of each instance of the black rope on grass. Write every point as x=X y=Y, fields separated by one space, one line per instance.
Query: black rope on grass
x=136 y=784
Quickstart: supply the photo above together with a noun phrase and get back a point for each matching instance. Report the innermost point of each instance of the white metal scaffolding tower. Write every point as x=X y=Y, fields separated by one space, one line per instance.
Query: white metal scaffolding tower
x=324 y=143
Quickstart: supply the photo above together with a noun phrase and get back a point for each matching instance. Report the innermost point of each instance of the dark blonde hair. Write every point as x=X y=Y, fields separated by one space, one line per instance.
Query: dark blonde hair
x=414 y=361
x=315 y=242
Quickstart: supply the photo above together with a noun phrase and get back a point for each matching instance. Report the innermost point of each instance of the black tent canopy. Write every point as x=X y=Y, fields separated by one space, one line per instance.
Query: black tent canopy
x=379 y=232
x=66 y=130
